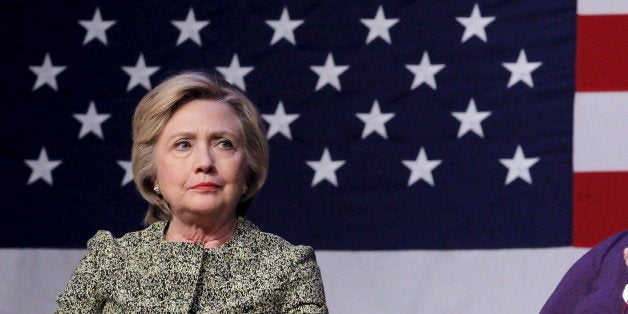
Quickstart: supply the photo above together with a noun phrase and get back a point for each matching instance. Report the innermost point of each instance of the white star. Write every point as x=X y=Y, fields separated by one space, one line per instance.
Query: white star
x=96 y=28
x=521 y=70
x=424 y=72
x=328 y=73
x=91 y=121
x=519 y=166
x=46 y=73
x=42 y=167
x=421 y=168
x=379 y=26
x=128 y=172
x=475 y=24
x=190 y=28
x=284 y=27
x=140 y=74
x=471 y=120
x=279 y=122
x=374 y=121
x=234 y=73
x=325 y=168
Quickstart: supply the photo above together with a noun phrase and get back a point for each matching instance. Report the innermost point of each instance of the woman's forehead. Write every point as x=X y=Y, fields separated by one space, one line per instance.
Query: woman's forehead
x=204 y=116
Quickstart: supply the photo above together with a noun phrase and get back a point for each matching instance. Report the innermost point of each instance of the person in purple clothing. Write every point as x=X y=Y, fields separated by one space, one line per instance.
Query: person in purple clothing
x=597 y=282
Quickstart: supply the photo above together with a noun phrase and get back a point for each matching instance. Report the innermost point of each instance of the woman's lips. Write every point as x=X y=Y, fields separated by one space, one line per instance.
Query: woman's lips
x=206 y=186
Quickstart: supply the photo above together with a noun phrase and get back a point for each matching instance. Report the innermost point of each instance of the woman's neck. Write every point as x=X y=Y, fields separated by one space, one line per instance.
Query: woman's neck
x=212 y=233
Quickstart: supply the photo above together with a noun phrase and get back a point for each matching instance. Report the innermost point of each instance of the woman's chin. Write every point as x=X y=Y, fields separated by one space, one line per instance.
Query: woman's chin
x=202 y=209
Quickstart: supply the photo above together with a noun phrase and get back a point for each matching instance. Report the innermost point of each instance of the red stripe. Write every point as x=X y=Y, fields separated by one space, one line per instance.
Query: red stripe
x=602 y=53
x=600 y=206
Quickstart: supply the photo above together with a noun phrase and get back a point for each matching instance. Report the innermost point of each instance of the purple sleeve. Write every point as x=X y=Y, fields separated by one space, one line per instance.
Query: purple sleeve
x=574 y=286
x=595 y=282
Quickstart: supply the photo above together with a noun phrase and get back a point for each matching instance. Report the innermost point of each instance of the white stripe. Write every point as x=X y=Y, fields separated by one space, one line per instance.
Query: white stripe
x=477 y=281
x=33 y=278
x=602 y=7
x=600 y=132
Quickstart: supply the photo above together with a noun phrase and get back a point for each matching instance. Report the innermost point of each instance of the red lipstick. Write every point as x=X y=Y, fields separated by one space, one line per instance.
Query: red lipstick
x=206 y=186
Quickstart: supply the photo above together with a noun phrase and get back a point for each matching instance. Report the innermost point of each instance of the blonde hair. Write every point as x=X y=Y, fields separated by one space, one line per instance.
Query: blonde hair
x=156 y=108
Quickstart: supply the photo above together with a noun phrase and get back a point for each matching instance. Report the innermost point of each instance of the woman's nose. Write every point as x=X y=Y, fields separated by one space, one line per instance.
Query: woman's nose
x=204 y=160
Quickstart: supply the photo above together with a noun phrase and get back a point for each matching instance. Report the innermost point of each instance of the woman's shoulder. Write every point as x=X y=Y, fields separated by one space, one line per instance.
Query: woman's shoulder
x=620 y=238
x=104 y=240
x=610 y=250
x=272 y=244
x=610 y=246
x=102 y=247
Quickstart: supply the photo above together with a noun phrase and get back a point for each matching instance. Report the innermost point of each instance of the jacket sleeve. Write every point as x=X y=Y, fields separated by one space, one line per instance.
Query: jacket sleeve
x=304 y=290
x=87 y=290
x=575 y=285
x=581 y=279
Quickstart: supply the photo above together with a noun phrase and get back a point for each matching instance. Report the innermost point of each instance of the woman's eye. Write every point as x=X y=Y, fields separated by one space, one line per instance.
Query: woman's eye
x=226 y=144
x=182 y=145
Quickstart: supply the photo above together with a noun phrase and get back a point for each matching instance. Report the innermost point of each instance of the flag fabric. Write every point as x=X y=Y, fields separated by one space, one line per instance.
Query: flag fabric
x=435 y=155
x=600 y=122
x=387 y=125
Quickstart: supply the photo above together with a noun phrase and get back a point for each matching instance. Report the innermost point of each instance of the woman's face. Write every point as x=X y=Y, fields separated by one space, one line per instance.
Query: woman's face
x=201 y=161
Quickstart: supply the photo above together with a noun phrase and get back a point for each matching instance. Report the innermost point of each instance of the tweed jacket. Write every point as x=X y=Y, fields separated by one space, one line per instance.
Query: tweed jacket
x=254 y=272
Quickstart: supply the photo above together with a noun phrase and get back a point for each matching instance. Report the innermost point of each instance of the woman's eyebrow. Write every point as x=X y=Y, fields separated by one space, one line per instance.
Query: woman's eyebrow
x=184 y=134
x=213 y=134
x=223 y=132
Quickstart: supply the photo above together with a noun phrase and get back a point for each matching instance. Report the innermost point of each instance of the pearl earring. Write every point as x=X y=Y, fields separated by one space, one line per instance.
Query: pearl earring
x=156 y=189
x=244 y=189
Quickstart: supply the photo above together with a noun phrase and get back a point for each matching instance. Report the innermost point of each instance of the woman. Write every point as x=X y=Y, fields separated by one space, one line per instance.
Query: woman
x=597 y=282
x=199 y=154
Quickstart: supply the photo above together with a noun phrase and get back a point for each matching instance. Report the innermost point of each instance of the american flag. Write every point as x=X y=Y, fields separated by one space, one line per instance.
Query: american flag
x=392 y=125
